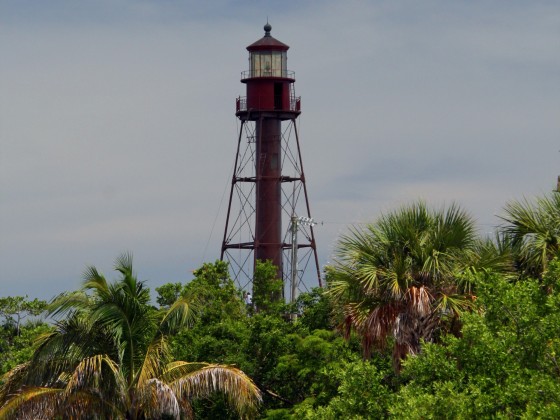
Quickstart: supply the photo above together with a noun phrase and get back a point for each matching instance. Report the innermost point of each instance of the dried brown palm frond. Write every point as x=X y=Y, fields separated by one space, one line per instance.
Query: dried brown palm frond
x=239 y=389
x=12 y=381
x=377 y=326
x=98 y=372
x=156 y=399
x=419 y=300
x=32 y=403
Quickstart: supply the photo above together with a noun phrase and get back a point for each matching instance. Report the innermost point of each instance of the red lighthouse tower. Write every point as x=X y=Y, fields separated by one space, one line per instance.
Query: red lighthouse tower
x=268 y=193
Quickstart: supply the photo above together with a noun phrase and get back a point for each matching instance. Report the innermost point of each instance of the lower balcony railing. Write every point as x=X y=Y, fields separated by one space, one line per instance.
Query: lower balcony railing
x=293 y=105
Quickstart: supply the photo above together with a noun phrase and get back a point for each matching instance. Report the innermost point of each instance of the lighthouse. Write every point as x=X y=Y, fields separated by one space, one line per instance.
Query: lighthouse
x=268 y=199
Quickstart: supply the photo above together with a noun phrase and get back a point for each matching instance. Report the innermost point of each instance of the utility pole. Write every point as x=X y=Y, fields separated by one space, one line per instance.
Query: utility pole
x=296 y=223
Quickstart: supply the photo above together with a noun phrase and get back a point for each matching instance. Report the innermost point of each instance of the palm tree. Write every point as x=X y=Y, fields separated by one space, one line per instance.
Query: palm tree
x=533 y=230
x=403 y=275
x=109 y=356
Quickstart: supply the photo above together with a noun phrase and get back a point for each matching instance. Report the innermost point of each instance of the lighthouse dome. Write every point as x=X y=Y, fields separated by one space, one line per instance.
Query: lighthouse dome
x=268 y=42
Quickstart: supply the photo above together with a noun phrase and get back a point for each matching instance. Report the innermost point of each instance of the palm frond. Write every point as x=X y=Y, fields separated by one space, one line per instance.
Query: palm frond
x=12 y=381
x=61 y=350
x=178 y=369
x=453 y=305
x=123 y=264
x=156 y=356
x=90 y=374
x=82 y=404
x=67 y=303
x=180 y=314
x=239 y=389
x=377 y=326
x=419 y=300
x=32 y=403
x=156 y=399
x=394 y=285
x=95 y=281
x=534 y=231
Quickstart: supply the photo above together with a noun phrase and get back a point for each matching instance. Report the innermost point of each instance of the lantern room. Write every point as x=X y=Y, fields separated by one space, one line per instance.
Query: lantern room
x=269 y=82
x=268 y=64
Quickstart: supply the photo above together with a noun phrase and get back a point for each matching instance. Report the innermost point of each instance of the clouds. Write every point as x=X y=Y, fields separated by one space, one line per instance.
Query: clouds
x=117 y=126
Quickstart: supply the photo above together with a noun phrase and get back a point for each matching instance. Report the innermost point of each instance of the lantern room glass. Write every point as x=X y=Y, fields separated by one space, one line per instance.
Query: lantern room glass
x=268 y=64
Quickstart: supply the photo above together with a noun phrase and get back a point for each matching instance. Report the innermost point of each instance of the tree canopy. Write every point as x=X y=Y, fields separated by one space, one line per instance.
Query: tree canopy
x=453 y=325
x=109 y=355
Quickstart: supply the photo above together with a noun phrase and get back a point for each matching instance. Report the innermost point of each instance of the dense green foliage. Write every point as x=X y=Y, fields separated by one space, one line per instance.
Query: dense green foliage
x=267 y=288
x=21 y=325
x=503 y=365
x=475 y=323
x=14 y=310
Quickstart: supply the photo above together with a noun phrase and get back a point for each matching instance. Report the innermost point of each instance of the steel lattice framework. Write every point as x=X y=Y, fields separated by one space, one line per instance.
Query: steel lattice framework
x=239 y=237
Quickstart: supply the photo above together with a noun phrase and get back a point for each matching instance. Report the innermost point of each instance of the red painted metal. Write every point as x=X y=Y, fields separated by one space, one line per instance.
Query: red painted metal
x=268 y=228
x=269 y=101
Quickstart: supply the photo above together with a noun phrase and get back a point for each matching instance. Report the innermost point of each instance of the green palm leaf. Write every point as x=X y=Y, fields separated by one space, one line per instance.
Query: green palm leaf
x=533 y=230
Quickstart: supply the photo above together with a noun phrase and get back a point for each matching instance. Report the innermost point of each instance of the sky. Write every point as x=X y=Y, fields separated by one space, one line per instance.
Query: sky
x=118 y=130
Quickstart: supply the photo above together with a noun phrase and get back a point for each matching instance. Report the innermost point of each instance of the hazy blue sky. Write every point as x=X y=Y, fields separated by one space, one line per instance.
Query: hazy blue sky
x=117 y=125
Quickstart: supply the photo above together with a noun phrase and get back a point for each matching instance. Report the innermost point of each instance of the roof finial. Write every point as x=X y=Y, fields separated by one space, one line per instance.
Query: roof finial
x=267 y=28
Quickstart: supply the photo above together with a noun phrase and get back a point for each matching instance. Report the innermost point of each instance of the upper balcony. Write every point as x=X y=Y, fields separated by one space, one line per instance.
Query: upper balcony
x=276 y=73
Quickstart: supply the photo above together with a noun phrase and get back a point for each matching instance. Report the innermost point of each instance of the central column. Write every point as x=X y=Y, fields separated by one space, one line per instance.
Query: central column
x=268 y=230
